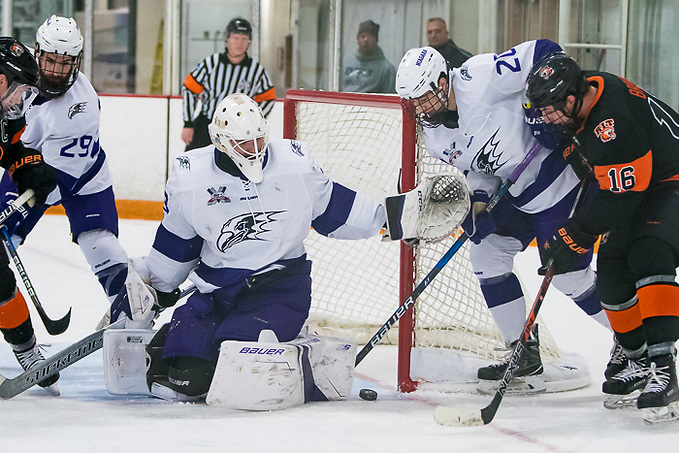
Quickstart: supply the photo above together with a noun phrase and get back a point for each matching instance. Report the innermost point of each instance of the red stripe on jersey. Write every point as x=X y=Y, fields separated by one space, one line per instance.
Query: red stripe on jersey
x=635 y=175
x=17 y=136
x=266 y=96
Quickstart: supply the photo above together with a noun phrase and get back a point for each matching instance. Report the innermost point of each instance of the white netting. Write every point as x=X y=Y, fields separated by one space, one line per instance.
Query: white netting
x=355 y=283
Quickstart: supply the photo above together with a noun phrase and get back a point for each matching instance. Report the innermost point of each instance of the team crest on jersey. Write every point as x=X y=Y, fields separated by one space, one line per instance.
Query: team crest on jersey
x=605 y=130
x=487 y=160
x=451 y=153
x=217 y=196
x=464 y=73
x=184 y=162
x=75 y=109
x=243 y=86
x=245 y=227
x=296 y=148
x=17 y=50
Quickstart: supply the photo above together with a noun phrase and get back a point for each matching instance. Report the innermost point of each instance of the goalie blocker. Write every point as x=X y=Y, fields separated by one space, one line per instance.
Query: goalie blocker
x=262 y=375
x=431 y=211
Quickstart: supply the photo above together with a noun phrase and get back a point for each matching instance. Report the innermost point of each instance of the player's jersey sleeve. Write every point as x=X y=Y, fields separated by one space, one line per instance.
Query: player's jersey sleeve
x=193 y=86
x=177 y=247
x=339 y=212
x=11 y=147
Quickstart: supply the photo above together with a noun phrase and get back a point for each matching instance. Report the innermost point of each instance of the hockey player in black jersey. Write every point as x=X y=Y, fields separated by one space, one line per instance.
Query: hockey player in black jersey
x=630 y=139
x=18 y=87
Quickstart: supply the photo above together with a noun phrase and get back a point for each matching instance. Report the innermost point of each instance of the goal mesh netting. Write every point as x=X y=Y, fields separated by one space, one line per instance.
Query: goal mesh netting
x=363 y=141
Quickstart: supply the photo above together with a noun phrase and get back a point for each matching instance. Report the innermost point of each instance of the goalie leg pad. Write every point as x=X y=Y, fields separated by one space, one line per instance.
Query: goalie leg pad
x=332 y=365
x=126 y=361
x=261 y=376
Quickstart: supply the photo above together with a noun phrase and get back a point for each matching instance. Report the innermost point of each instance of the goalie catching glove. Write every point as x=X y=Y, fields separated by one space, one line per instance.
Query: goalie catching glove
x=431 y=211
x=564 y=247
x=138 y=302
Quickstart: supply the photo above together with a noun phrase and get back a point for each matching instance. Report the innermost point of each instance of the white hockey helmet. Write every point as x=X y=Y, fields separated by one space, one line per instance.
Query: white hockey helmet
x=58 y=48
x=419 y=72
x=239 y=129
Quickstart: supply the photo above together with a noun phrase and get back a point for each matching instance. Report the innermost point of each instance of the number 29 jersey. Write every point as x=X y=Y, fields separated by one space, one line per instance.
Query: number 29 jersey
x=66 y=131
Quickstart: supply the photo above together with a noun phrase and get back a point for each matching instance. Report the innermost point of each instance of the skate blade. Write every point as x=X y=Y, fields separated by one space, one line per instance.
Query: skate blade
x=665 y=414
x=525 y=385
x=621 y=401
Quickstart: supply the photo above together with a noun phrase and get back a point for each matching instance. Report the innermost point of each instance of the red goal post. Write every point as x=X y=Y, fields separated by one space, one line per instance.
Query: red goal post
x=369 y=143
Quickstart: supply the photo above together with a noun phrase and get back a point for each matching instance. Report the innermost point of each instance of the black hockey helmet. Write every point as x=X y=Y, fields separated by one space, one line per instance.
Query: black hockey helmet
x=17 y=62
x=552 y=79
x=240 y=26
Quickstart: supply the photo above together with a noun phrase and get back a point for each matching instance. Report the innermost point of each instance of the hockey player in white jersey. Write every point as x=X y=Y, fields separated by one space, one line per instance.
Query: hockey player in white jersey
x=64 y=125
x=236 y=215
x=476 y=118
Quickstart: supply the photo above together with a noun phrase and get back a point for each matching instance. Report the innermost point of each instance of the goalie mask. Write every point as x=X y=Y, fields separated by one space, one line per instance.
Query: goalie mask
x=417 y=83
x=21 y=77
x=58 y=49
x=551 y=81
x=240 y=130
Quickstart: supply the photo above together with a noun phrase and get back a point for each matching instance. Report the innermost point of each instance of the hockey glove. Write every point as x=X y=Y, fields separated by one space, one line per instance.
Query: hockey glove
x=479 y=223
x=577 y=162
x=31 y=172
x=565 y=247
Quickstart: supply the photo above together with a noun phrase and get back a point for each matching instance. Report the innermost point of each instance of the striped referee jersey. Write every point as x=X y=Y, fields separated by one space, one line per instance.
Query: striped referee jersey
x=216 y=77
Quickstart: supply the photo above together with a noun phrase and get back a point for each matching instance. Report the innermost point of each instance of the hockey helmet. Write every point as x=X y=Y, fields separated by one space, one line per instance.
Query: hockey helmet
x=59 y=49
x=239 y=129
x=417 y=82
x=21 y=72
x=420 y=70
x=552 y=79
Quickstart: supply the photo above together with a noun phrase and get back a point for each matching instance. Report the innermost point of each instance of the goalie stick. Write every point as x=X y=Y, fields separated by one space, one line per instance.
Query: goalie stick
x=419 y=289
x=465 y=415
x=53 y=327
x=9 y=388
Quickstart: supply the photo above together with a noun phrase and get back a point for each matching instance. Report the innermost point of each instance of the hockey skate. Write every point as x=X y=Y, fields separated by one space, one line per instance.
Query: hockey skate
x=659 y=400
x=30 y=357
x=617 y=362
x=624 y=387
x=526 y=376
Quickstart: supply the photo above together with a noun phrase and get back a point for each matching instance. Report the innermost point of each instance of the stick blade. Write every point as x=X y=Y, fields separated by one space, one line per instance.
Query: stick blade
x=461 y=415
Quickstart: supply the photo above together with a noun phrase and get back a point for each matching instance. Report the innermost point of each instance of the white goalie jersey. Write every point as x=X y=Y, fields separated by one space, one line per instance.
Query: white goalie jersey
x=72 y=148
x=222 y=228
x=493 y=135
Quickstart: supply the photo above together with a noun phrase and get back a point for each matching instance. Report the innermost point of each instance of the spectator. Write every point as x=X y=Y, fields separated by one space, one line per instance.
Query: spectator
x=219 y=75
x=437 y=37
x=368 y=71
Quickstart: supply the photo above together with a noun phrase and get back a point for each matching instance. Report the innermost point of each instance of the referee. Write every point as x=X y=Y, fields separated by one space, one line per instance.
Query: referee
x=218 y=76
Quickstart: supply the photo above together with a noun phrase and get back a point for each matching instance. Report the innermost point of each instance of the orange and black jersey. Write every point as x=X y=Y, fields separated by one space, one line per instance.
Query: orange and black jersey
x=631 y=140
x=11 y=148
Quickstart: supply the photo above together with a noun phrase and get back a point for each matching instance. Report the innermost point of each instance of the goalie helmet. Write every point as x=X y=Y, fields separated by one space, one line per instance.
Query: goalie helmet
x=240 y=130
x=21 y=72
x=58 y=48
x=552 y=79
x=417 y=83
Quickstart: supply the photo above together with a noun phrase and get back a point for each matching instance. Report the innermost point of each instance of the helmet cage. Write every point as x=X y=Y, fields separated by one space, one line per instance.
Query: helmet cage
x=237 y=121
x=16 y=100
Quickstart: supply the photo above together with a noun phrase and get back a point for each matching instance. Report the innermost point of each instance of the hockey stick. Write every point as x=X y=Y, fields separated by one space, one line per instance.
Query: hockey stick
x=9 y=388
x=465 y=415
x=53 y=327
x=419 y=289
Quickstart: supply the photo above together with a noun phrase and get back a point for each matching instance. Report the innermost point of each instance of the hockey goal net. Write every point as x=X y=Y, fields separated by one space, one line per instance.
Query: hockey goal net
x=368 y=143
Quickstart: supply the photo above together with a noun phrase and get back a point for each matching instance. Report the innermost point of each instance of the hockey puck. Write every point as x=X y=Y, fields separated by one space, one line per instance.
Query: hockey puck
x=368 y=394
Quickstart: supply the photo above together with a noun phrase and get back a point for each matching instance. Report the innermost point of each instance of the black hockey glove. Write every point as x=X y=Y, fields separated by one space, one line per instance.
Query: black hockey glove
x=565 y=247
x=167 y=300
x=31 y=172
